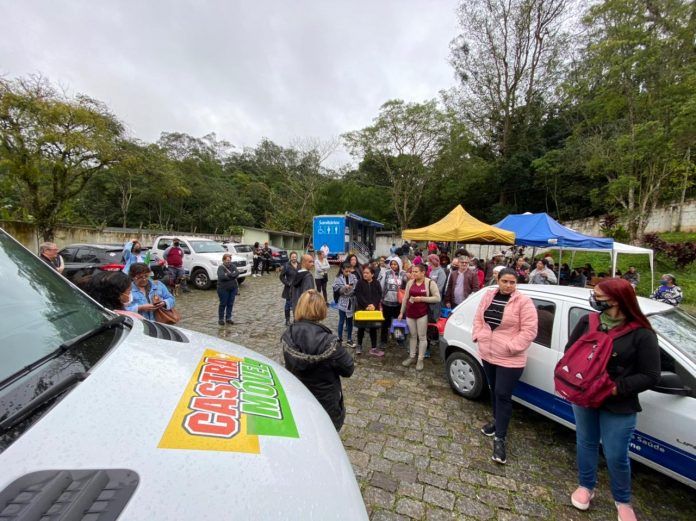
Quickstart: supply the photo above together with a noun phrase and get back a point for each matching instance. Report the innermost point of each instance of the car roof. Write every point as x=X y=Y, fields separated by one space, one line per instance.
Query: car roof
x=648 y=306
x=98 y=246
x=187 y=237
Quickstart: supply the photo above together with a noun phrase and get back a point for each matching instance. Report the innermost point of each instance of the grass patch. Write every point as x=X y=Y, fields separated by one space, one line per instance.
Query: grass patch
x=686 y=279
x=678 y=236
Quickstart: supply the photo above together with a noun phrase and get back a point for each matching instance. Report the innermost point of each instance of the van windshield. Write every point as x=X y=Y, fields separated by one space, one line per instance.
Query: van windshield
x=679 y=328
x=207 y=247
x=39 y=309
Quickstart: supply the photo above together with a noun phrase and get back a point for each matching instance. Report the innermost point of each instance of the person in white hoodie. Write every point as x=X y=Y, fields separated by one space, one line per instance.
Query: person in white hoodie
x=391 y=279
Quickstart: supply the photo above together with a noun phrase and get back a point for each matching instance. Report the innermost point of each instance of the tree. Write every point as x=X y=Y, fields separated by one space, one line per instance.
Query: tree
x=507 y=58
x=406 y=140
x=51 y=145
x=634 y=91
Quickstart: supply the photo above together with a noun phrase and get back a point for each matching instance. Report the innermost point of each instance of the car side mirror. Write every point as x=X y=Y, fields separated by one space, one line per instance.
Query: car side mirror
x=186 y=250
x=671 y=383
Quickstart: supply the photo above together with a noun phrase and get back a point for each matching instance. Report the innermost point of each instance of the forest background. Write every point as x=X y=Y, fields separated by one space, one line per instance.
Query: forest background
x=573 y=108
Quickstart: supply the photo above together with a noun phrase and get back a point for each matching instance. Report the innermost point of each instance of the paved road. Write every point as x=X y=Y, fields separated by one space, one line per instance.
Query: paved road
x=416 y=447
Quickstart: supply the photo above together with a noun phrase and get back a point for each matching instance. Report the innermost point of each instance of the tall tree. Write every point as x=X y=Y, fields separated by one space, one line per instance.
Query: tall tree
x=634 y=89
x=51 y=145
x=406 y=140
x=507 y=59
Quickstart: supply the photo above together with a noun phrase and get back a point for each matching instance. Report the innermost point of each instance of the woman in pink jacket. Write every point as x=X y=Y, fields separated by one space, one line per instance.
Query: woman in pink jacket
x=505 y=325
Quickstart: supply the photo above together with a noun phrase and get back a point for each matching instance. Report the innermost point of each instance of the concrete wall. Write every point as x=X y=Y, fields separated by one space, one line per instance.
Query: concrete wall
x=663 y=219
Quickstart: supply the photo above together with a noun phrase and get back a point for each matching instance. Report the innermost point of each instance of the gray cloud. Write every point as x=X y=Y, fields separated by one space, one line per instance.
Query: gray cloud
x=245 y=70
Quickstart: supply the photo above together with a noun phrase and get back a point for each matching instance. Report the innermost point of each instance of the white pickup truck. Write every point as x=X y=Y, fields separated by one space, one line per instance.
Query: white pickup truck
x=202 y=257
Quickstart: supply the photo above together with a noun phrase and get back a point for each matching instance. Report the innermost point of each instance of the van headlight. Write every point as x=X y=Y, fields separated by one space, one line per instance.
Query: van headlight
x=215 y=263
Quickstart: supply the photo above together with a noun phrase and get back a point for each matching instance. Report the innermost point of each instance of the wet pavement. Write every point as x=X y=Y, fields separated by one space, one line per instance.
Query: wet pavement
x=416 y=447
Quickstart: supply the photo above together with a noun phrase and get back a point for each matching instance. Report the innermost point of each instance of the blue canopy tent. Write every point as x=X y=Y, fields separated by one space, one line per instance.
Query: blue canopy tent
x=543 y=231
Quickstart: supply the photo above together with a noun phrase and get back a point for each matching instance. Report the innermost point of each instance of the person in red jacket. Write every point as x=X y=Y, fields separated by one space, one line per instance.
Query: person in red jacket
x=505 y=324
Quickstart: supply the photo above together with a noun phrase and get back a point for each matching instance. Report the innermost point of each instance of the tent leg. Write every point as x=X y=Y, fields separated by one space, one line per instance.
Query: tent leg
x=560 y=263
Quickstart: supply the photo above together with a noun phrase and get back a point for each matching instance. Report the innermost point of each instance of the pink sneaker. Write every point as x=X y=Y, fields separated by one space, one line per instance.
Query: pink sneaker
x=625 y=512
x=581 y=498
x=376 y=352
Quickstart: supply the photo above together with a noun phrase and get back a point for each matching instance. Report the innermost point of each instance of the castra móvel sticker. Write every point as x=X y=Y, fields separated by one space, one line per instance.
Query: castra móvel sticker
x=228 y=403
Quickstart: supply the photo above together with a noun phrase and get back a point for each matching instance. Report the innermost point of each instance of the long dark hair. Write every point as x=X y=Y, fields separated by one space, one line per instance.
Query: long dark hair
x=622 y=292
x=106 y=288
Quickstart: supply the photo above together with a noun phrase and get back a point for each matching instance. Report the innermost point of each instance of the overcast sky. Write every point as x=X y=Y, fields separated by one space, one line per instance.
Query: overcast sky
x=282 y=69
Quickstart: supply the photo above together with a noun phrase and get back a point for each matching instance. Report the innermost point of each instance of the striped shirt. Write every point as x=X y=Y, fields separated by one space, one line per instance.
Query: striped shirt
x=494 y=314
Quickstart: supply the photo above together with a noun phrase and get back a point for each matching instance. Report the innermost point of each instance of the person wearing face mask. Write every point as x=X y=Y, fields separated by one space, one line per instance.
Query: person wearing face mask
x=505 y=324
x=287 y=276
x=391 y=280
x=132 y=253
x=227 y=287
x=174 y=255
x=634 y=367
x=668 y=292
x=112 y=289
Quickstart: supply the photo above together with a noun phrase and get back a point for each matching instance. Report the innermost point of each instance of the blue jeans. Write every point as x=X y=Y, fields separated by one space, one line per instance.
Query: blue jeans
x=615 y=431
x=288 y=308
x=226 y=303
x=343 y=319
x=502 y=381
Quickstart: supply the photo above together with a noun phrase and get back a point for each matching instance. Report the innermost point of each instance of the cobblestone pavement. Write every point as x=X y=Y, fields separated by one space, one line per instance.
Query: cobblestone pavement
x=416 y=446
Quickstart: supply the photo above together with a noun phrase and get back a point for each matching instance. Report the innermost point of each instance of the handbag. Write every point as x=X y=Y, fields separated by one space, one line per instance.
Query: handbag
x=433 y=309
x=400 y=295
x=167 y=316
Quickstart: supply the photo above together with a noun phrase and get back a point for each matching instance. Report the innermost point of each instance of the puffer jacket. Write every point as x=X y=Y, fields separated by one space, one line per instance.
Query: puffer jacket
x=391 y=282
x=506 y=346
x=313 y=354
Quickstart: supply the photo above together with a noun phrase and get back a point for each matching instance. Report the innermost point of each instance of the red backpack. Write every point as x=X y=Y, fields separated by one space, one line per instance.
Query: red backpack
x=581 y=374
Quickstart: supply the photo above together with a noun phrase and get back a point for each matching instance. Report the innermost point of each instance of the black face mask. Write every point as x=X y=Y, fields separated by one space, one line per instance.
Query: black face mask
x=136 y=250
x=599 y=305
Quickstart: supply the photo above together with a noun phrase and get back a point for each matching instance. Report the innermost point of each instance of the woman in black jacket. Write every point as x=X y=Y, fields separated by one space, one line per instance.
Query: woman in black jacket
x=287 y=275
x=227 y=287
x=634 y=367
x=368 y=296
x=314 y=355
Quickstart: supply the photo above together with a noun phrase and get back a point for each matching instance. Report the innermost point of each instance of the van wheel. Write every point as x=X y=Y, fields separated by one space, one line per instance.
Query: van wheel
x=200 y=279
x=465 y=375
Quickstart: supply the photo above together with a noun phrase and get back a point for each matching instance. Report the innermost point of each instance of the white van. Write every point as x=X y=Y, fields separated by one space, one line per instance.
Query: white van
x=104 y=416
x=202 y=256
x=665 y=437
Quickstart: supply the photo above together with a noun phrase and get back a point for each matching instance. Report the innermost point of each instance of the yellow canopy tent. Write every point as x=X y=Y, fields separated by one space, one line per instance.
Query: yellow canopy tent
x=459 y=226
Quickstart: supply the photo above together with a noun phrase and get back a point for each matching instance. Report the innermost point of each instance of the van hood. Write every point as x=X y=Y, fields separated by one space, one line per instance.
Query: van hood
x=212 y=429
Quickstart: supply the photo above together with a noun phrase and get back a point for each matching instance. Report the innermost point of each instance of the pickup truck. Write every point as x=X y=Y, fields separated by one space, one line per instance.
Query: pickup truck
x=202 y=257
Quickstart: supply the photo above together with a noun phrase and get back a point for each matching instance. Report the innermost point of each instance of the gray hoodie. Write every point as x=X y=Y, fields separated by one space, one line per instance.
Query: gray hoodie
x=391 y=282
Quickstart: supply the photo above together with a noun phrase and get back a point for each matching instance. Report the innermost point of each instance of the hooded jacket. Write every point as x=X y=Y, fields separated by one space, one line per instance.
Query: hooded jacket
x=301 y=282
x=507 y=345
x=391 y=282
x=313 y=354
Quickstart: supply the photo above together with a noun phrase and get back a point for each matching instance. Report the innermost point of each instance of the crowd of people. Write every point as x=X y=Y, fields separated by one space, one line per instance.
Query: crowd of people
x=414 y=285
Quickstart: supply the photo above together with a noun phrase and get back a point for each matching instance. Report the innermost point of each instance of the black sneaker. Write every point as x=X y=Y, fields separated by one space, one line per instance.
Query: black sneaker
x=221 y=322
x=499 y=451
x=488 y=429
x=230 y=322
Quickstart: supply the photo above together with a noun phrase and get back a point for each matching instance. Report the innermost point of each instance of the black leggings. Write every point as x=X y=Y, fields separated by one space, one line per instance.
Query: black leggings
x=502 y=381
x=321 y=286
x=390 y=313
x=373 y=336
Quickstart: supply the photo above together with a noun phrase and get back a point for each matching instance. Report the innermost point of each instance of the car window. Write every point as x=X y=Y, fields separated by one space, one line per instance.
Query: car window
x=574 y=316
x=86 y=255
x=679 y=328
x=68 y=254
x=546 y=311
x=39 y=311
x=163 y=244
x=110 y=255
x=206 y=247
x=243 y=248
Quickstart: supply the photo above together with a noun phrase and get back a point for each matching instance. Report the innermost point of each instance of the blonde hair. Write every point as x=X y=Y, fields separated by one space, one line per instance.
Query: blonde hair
x=311 y=306
x=406 y=265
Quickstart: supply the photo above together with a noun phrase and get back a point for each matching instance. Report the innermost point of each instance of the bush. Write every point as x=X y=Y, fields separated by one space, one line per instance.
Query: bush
x=681 y=253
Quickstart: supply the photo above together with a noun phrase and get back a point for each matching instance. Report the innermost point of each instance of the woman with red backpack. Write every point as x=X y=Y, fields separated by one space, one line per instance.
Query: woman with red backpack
x=632 y=367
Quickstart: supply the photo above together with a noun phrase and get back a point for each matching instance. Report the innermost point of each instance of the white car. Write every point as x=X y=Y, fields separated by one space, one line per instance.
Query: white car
x=665 y=437
x=105 y=416
x=243 y=250
x=202 y=257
